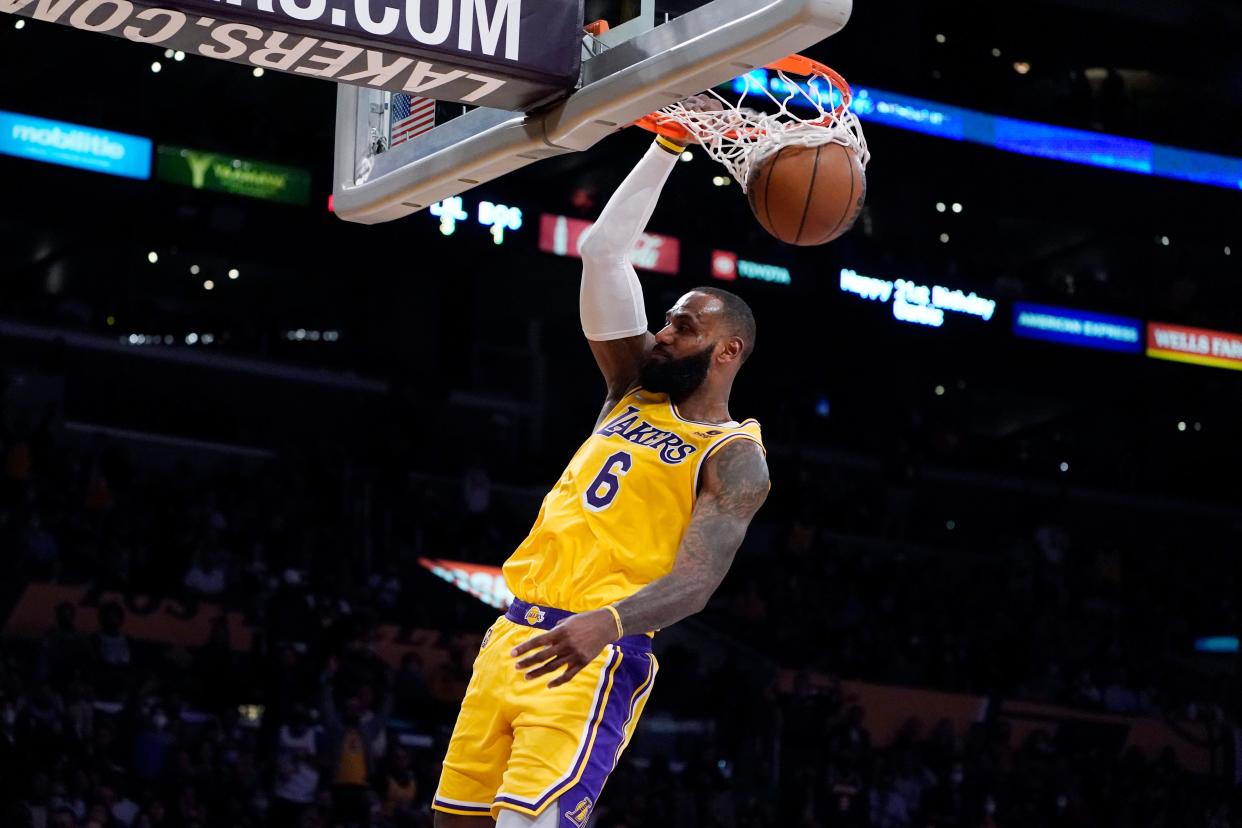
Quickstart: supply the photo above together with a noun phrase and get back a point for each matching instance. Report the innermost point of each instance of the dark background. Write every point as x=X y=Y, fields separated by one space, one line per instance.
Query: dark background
x=913 y=537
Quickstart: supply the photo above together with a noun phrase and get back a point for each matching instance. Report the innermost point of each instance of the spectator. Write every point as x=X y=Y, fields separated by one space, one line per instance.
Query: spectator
x=349 y=741
x=66 y=650
x=40 y=552
x=399 y=788
x=111 y=646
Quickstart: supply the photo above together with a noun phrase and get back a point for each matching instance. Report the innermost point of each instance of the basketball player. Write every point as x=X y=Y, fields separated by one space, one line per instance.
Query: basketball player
x=636 y=535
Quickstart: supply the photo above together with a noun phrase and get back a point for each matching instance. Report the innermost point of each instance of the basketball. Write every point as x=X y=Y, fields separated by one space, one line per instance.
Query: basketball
x=808 y=195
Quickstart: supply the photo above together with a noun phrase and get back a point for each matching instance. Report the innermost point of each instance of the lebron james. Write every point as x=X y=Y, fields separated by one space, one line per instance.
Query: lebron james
x=635 y=536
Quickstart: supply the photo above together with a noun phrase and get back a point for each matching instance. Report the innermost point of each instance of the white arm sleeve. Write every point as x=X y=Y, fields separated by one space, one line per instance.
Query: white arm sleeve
x=611 y=300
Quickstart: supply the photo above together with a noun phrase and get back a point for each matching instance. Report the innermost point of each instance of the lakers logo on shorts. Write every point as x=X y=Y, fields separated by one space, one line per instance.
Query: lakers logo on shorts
x=487 y=636
x=580 y=812
x=534 y=616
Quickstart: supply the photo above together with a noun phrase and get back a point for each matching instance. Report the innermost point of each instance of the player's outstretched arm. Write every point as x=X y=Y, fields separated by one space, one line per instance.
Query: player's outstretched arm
x=734 y=486
x=614 y=318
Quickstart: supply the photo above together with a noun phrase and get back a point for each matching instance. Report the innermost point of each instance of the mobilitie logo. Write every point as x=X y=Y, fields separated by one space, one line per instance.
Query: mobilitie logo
x=77 y=140
x=73 y=145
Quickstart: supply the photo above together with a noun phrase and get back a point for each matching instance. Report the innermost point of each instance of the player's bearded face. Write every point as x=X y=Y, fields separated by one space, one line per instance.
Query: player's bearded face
x=676 y=377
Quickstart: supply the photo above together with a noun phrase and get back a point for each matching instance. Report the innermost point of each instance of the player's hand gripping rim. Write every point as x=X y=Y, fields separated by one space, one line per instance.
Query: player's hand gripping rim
x=572 y=644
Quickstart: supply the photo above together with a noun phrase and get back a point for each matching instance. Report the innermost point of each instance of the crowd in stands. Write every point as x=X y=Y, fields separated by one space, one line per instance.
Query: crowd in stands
x=307 y=725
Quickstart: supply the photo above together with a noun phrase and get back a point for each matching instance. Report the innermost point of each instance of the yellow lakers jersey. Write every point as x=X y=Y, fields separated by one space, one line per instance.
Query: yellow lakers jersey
x=613 y=522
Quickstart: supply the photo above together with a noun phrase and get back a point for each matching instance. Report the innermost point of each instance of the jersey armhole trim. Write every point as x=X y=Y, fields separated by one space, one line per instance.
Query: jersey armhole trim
x=698 y=470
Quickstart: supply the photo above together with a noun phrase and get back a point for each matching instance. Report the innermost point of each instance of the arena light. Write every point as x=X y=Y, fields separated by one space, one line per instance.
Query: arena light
x=1064 y=467
x=168 y=53
x=1181 y=425
x=1228 y=252
x=178 y=56
x=153 y=257
x=258 y=71
x=191 y=339
x=234 y=273
x=941 y=38
x=156 y=67
x=944 y=238
x=996 y=53
x=939 y=206
x=939 y=390
x=957 y=207
x=20 y=24
x=209 y=285
x=194 y=269
x=1164 y=241
x=1021 y=67
x=687 y=156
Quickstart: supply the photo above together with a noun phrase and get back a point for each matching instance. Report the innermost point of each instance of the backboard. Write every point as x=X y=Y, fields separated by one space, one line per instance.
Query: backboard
x=640 y=65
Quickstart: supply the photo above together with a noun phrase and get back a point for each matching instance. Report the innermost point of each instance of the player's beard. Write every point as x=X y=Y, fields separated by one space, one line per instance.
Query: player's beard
x=679 y=378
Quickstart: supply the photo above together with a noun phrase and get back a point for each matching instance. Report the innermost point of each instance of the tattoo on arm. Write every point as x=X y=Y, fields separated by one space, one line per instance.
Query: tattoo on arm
x=734 y=486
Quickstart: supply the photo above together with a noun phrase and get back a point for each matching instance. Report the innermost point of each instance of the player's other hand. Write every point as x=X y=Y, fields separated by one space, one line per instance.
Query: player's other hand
x=702 y=104
x=572 y=644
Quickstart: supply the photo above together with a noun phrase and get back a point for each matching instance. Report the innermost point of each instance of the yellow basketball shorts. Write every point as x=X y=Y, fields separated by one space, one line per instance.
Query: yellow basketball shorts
x=522 y=746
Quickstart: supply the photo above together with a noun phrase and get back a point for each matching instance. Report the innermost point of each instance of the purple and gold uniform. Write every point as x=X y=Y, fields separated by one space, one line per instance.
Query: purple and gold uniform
x=611 y=525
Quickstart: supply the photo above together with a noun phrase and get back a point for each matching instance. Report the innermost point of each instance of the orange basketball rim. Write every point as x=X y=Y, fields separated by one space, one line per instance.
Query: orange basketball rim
x=674 y=130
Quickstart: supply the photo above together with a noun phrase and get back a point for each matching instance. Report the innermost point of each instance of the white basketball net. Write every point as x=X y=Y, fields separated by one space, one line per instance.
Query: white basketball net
x=740 y=136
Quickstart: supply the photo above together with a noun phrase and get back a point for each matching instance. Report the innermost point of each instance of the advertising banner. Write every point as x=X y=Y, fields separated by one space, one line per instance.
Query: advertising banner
x=727 y=266
x=560 y=236
x=1219 y=349
x=1075 y=327
x=74 y=145
x=497 y=53
x=235 y=176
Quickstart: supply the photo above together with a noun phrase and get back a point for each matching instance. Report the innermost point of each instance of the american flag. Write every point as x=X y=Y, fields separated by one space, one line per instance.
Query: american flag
x=411 y=115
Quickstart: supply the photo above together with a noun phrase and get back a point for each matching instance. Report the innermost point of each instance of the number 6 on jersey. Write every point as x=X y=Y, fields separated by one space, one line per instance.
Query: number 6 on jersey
x=608 y=479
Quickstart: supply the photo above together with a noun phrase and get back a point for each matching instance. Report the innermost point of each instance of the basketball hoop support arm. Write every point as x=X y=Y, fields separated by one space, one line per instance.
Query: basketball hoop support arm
x=699 y=50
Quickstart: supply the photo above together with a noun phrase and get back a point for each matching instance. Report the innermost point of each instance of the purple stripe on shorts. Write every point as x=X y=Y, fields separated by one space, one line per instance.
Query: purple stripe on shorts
x=577 y=803
x=631 y=673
